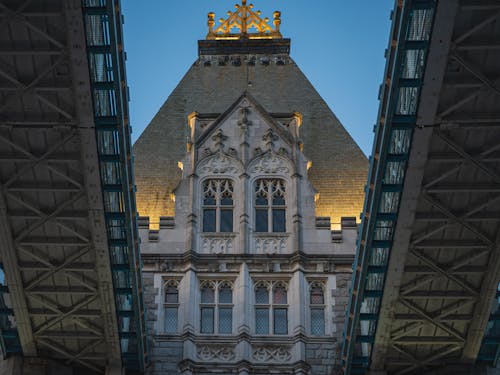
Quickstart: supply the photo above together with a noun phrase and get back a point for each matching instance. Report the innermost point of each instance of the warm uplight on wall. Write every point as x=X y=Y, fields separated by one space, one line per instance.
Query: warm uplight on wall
x=180 y=165
x=335 y=226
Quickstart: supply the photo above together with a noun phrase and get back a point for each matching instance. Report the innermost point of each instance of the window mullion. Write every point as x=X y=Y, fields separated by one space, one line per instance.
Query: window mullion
x=269 y=209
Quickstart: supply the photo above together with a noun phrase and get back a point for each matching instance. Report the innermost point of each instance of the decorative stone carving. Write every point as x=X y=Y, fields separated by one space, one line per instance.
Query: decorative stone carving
x=269 y=138
x=257 y=151
x=219 y=138
x=215 y=353
x=217 y=245
x=219 y=163
x=270 y=163
x=271 y=354
x=270 y=245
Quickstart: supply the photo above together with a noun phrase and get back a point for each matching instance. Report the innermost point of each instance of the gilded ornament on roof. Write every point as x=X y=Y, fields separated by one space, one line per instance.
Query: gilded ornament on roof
x=247 y=23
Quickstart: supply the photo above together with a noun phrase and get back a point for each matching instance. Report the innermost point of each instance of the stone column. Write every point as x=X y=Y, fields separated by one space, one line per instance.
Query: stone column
x=189 y=302
x=243 y=309
x=244 y=123
x=243 y=312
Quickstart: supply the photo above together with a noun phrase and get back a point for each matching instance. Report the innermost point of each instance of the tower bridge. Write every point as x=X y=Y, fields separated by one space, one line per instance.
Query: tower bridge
x=424 y=297
x=71 y=284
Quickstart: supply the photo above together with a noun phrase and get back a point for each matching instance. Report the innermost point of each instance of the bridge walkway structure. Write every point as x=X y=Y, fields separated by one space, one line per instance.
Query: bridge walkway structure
x=71 y=292
x=424 y=296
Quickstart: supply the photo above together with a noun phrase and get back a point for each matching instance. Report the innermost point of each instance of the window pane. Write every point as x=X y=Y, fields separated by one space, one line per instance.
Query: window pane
x=262 y=321
x=226 y=220
x=171 y=295
x=207 y=320
x=407 y=101
x=419 y=27
x=279 y=295
x=278 y=220
x=278 y=200
x=317 y=296
x=225 y=295
x=207 y=295
x=171 y=320
x=261 y=295
x=225 y=320
x=383 y=230
x=395 y=172
x=379 y=257
x=400 y=141
x=208 y=220
x=317 y=322
x=226 y=201
x=389 y=202
x=261 y=220
x=280 y=322
x=209 y=201
x=261 y=200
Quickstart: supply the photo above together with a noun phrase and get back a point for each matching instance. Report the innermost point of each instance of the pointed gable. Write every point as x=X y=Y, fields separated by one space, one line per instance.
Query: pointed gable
x=270 y=80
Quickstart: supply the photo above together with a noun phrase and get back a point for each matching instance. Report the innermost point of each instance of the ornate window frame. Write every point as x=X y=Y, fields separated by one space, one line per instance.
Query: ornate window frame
x=217 y=307
x=270 y=204
x=317 y=307
x=273 y=308
x=221 y=191
x=170 y=306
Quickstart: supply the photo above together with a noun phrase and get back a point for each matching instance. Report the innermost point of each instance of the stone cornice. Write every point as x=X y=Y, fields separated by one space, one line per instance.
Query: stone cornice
x=253 y=340
x=296 y=257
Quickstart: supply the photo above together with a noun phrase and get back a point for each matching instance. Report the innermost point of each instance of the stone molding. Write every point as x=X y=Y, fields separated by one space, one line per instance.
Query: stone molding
x=270 y=163
x=271 y=353
x=215 y=353
x=270 y=244
x=217 y=243
x=218 y=163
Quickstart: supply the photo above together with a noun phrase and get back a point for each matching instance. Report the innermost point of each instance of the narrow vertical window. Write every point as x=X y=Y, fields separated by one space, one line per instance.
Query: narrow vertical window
x=270 y=207
x=207 y=308
x=218 y=205
x=171 y=306
x=280 y=309
x=262 y=310
x=225 y=308
x=317 y=306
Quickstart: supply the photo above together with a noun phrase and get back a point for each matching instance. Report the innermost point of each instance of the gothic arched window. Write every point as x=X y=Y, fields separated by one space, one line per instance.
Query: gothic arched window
x=271 y=308
x=216 y=307
x=218 y=205
x=270 y=205
x=317 y=306
x=171 y=306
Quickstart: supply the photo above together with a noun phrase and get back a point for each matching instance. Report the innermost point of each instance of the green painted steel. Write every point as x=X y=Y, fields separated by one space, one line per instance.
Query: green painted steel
x=103 y=24
x=9 y=336
x=409 y=41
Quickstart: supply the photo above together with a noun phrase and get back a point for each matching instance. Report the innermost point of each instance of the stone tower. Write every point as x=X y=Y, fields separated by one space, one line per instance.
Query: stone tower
x=241 y=176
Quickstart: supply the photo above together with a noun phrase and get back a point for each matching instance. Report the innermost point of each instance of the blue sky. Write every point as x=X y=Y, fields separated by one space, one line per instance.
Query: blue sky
x=338 y=44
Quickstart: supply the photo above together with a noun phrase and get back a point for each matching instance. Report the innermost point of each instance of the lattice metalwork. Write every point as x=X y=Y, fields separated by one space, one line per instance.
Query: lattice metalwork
x=438 y=256
x=59 y=265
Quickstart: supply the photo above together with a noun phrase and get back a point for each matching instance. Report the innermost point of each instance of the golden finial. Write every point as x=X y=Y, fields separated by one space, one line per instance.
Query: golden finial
x=244 y=19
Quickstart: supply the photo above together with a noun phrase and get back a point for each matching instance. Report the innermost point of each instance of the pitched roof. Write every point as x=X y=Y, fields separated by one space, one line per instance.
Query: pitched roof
x=339 y=168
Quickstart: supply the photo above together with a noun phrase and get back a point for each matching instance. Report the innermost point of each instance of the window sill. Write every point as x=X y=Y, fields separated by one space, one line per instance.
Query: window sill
x=219 y=234
x=271 y=234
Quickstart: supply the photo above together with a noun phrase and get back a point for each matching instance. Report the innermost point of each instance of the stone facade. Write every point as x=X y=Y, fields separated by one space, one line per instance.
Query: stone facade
x=241 y=177
x=294 y=258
